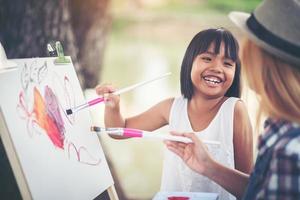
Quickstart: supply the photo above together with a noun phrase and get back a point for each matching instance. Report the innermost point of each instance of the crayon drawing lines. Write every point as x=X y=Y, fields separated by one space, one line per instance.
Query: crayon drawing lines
x=79 y=153
x=25 y=114
x=44 y=114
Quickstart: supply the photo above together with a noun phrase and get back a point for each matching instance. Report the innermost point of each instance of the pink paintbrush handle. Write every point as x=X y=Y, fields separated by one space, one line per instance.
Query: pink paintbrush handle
x=127 y=132
x=95 y=101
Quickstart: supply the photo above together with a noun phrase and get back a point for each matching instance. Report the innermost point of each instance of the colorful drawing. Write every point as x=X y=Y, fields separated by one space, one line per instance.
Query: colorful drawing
x=45 y=119
x=43 y=112
x=54 y=151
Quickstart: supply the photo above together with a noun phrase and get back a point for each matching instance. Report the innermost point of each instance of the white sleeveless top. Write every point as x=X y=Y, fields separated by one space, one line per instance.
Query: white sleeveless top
x=176 y=175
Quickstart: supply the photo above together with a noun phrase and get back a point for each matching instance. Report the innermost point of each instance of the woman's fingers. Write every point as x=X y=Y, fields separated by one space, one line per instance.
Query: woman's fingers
x=181 y=145
x=193 y=137
x=174 y=147
x=177 y=147
x=176 y=133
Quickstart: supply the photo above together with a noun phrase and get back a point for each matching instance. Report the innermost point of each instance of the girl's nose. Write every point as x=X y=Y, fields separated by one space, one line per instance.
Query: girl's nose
x=217 y=66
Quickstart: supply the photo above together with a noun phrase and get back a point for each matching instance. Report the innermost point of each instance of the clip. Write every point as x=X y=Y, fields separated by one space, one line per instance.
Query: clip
x=51 y=49
x=60 y=53
x=4 y=62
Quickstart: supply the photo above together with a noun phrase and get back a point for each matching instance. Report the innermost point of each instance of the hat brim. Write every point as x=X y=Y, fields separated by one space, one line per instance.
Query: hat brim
x=240 y=20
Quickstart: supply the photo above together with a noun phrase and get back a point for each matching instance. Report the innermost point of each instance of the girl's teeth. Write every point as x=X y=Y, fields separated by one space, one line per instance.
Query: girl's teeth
x=212 y=80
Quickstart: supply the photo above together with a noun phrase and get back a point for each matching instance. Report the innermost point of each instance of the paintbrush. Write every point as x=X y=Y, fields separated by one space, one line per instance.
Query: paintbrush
x=118 y=92
x=131 y=133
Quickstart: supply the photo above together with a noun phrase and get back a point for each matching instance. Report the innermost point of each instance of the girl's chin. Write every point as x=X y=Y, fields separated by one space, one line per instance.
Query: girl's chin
x=212 y=95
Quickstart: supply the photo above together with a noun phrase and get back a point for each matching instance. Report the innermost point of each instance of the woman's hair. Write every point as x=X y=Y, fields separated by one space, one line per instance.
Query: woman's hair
x=200 y=44
x=275 y=81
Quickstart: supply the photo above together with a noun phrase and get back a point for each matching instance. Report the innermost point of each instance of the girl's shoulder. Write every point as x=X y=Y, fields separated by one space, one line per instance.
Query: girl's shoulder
x=239 y=106
x=232 y=105
x=167 y=102
x=232 y=100
x=164 y=106
x=241 y=112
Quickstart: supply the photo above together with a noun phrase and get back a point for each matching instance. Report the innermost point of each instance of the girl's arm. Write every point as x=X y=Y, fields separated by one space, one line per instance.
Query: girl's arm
x=195 y=155
x=154 y=118
x=242 y=139
x=112 y=115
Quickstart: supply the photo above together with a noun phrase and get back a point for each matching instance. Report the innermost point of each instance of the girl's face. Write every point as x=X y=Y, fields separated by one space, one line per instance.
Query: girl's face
x=212 y=74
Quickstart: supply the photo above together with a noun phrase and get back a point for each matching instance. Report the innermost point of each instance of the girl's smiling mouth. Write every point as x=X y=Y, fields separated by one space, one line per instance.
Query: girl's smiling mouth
x=210 y=79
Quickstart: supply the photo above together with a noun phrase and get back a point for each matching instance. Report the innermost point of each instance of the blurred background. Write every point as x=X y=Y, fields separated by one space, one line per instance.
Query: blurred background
x=121 y=42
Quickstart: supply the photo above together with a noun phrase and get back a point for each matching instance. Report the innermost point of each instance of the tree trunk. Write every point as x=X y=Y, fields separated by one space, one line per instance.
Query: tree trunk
x=27 y=26
x=91 y=22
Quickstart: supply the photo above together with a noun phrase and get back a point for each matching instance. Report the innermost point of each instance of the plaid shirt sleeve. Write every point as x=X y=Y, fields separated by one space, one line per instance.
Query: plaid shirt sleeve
x=283 y=179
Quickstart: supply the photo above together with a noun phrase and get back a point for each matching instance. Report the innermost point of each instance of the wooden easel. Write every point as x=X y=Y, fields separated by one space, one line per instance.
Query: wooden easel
x=10 y=164
x=21 y=187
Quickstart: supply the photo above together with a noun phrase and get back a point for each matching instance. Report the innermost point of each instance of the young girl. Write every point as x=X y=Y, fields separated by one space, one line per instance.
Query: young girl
x=209 y=106
x=271 y=59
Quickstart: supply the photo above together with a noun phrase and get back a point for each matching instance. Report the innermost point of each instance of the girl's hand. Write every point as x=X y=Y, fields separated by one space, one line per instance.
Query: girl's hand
x=195 y=154
x=111 y=101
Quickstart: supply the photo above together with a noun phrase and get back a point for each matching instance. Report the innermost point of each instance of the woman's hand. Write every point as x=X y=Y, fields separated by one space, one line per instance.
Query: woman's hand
x=195 y=154
x=106 y=90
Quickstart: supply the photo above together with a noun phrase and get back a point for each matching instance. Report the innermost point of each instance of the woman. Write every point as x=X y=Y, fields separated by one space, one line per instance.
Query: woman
x=271 y=63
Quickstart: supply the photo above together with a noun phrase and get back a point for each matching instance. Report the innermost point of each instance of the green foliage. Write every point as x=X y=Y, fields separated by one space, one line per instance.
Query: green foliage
x=223 y=6
x=119 y=23
x=230 y=5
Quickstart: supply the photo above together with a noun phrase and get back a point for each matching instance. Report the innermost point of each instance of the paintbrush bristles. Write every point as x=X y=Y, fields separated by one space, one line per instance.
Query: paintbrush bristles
x=95 y=129
x=69 y=111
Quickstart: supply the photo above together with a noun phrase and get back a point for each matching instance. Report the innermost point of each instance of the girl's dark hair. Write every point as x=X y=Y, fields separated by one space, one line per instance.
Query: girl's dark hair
x=200 y=44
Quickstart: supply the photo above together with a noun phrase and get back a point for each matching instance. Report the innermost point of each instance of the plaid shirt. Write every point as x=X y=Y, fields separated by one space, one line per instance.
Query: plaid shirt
x=282 y=180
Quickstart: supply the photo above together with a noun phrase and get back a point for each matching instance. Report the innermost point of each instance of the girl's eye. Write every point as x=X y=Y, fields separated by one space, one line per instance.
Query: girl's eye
x=228 y=64
x=207 y=59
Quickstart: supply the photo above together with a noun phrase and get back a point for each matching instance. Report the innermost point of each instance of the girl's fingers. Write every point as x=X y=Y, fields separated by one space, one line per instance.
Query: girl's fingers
x=111 y=98
x=104 y=88
x=106 y=91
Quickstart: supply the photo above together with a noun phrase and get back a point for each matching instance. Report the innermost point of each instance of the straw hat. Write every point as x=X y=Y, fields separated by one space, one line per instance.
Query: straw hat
x=275 y=26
